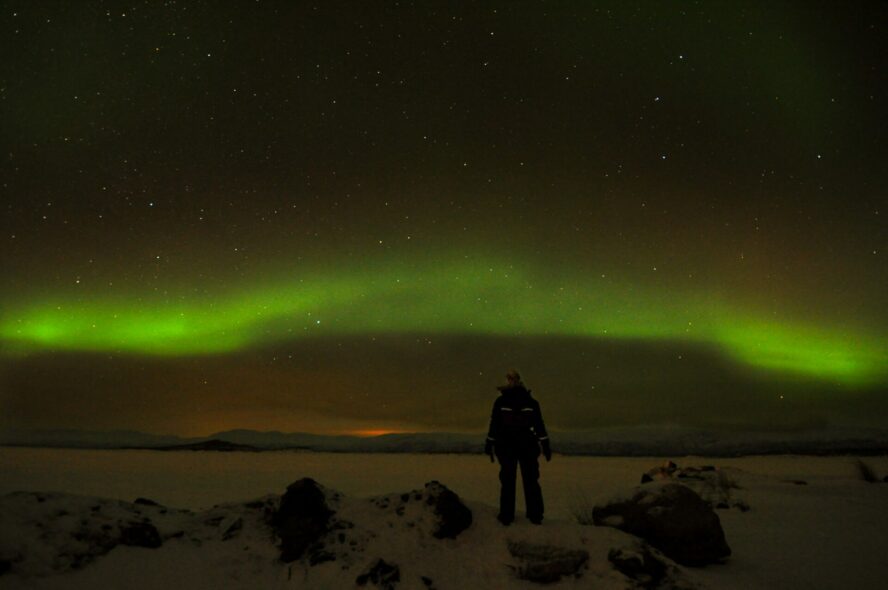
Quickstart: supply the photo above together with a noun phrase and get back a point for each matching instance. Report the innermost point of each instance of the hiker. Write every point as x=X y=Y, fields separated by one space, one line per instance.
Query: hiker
x=515 y=436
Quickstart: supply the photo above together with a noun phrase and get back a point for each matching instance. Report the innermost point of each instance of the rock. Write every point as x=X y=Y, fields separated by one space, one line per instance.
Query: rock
x=646 y=569
x=453 y=516
x=232 y=529
x=381 y=574
x=639 y=565
x=865 y=471
x=89 y=545
x=6 y=566
x=145 y=502
x=545 y=564
x=140 y=534
x=426 y=581
x=714 y=485
x=319 y=556
x=671 y=517
x=302 y=518
x=665 y=471
x=885 y=479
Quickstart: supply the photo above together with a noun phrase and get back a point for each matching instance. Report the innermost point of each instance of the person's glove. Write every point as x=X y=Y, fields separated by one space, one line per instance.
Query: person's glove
x=488 y=450
x=547 y=450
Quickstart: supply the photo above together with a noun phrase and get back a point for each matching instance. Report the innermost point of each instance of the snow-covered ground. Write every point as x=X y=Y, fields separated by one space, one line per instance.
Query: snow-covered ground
x=829 y=532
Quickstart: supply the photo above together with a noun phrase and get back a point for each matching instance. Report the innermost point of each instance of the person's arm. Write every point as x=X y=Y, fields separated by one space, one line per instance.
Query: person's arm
x=493 y=430
x=539 y=428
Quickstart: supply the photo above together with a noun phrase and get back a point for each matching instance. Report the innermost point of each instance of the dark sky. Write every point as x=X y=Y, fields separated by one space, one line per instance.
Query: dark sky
x=356 y=216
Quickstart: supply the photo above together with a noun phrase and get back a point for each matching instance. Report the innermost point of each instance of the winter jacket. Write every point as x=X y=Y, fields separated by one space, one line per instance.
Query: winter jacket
x=516 y=418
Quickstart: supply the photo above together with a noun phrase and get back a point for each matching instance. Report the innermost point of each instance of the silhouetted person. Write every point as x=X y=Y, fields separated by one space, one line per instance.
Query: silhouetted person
x=516 y=434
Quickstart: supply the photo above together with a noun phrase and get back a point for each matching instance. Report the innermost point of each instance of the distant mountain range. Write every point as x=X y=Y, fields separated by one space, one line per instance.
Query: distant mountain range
x=627 y=441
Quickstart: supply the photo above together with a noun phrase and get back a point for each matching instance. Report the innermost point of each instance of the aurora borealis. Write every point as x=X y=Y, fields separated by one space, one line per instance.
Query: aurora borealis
x=356 y=216
x=451 y=300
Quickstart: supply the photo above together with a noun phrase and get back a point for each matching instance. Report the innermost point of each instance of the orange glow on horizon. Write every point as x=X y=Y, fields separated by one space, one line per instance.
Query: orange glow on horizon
x=368 y=432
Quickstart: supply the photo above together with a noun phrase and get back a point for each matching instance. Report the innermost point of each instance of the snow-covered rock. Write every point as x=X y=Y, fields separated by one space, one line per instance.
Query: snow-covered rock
x=547 y=563
x=301 y=519
x=717 y=486
x=647 y=568
x=671 y=517
x=453 y=516
x=309 y=537
x=381 y=574
x=44 y=533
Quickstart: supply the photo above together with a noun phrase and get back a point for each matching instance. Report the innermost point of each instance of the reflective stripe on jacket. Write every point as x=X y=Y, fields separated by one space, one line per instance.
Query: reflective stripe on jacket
x=516 y=416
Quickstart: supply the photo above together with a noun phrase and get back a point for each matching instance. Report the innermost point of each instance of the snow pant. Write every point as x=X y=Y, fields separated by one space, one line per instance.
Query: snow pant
x=526 y=455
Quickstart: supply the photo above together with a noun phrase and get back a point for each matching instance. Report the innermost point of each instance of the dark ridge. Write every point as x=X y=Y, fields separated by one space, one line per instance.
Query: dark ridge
x=209 y=445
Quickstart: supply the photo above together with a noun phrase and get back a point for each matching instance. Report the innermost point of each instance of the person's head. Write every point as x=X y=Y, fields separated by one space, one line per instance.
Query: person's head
x=513 y=378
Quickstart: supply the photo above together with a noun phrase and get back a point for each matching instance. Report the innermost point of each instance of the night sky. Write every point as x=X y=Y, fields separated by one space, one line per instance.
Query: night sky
x=357 y=216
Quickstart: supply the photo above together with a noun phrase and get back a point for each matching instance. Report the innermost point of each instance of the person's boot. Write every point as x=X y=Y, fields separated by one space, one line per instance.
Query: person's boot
x=503 y=521
x=536 y=520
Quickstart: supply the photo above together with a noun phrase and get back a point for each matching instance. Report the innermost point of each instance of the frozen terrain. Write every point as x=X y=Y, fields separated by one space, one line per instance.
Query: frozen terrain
x=812 y=522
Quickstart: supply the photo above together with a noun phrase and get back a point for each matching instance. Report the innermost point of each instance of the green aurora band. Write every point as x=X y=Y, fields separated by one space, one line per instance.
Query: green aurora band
x=458 y=298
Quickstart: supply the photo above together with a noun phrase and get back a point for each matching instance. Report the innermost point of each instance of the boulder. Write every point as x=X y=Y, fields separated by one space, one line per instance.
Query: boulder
x=302 y=518
x=546 y=564
x=665 y=471
x=716 y=486
x=646 y=568
x=639 y=565
x=140 y=534
x=671 y=517
x=453 y=516
x=381 y=574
